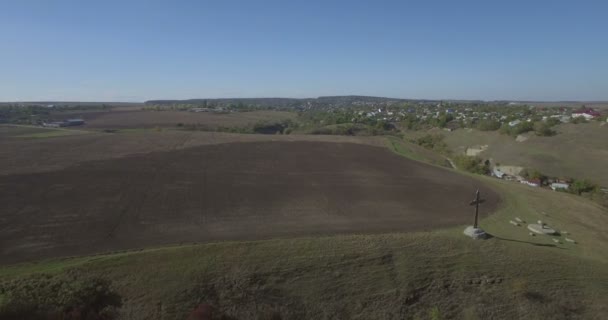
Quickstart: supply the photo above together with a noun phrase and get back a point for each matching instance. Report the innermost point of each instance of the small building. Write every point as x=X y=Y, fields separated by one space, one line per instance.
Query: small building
x=53 y=124
x=587 y=113
x=497 y=173
x=531 y=182
x=514 y=123
x=559 y=185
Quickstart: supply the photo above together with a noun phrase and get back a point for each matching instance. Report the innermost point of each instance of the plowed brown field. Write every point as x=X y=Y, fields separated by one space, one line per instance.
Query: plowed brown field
x=227 y=191
x=147 y=119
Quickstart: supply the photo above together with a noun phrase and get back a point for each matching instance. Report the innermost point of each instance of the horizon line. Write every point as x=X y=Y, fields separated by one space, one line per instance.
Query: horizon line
x=306 y=98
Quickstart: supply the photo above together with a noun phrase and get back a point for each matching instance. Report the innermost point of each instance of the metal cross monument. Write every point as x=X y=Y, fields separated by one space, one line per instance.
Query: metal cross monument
x=476 y=203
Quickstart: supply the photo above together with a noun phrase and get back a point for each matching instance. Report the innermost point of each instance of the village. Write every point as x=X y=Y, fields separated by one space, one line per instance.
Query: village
x=455 y=115
x=535 y=180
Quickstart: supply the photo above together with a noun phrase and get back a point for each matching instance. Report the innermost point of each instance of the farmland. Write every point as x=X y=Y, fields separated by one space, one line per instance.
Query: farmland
x=417 y=274
x=38 y=155
x=289 y=226
x=150 y=119
x=226 y=191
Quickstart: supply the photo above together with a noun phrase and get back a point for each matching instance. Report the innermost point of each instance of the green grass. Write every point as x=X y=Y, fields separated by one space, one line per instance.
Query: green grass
x=435 y=274
x=415 y=152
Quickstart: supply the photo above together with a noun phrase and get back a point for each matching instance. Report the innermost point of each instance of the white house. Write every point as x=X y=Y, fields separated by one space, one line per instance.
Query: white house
x=497 y=173
x=559 y=185
x=583 y=115
x=531 y=183
x=514 y=123
x=586 y=113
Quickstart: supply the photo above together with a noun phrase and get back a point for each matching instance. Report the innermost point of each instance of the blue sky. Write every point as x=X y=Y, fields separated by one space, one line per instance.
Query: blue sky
x=138 y=50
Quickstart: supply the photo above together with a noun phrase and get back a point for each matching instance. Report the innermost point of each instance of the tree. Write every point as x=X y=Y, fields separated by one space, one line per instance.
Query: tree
x=582 y=186
x=472 y=164
x=432 y=141
x=522 y=127
x=551 y=122
x=443 y=120
x=543 y=129
x=578 y=120
x=533 y=174
x=488 y=125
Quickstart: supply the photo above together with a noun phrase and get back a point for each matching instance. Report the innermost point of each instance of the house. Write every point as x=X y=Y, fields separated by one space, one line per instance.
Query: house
x=497 y=173
x=587 y=113
x=559 y=185
x=514 y=123
x=565 y=119
x=531 y=182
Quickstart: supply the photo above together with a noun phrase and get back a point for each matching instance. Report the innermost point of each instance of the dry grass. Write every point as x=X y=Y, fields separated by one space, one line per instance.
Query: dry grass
x=577 y=151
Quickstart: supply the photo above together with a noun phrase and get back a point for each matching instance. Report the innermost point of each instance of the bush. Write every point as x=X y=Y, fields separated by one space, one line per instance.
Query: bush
x=265 y=127
x=472 y=164
x=432 y=141
x=579 y=120
x=58 y=297
x=582 y=186
x=488 y=125
x=522 y=127
x=543 y=129
x=532 y=174
x=551 y=122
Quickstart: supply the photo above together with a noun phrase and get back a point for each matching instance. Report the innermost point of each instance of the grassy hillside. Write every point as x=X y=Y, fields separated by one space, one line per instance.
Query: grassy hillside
x=426 y=275
x=578 y=151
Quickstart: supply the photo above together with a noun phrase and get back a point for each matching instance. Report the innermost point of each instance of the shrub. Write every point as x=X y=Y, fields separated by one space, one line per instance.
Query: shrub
x=522 y=127
x=488 y=125
x=582 y=186
x=533 y=174
x=58 y=297
x=579 y=120
x=472 y=164
x=543 y=129
x=551 y=122
x=432 y=141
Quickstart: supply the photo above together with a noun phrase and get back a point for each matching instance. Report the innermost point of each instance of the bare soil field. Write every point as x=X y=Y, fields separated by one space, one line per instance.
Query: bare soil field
x=25 y=155
x=228 y=191
x=149 y=119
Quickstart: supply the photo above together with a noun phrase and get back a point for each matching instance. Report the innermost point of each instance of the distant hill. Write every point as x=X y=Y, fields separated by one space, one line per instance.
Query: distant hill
x=291 y=102
x=351 y=100
x=71 y=103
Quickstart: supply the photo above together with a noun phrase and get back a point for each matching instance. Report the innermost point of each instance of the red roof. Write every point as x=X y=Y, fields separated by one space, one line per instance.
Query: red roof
x=588 y=111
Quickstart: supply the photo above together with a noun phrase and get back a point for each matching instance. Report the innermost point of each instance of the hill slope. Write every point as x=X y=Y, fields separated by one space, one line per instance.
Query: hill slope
x=439 y=274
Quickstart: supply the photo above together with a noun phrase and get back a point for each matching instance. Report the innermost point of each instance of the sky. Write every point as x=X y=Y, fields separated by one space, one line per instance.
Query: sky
x=140 y=50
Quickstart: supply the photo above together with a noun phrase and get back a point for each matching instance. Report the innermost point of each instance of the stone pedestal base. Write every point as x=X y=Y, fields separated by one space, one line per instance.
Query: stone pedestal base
x=541 y=229
x=475 y=233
